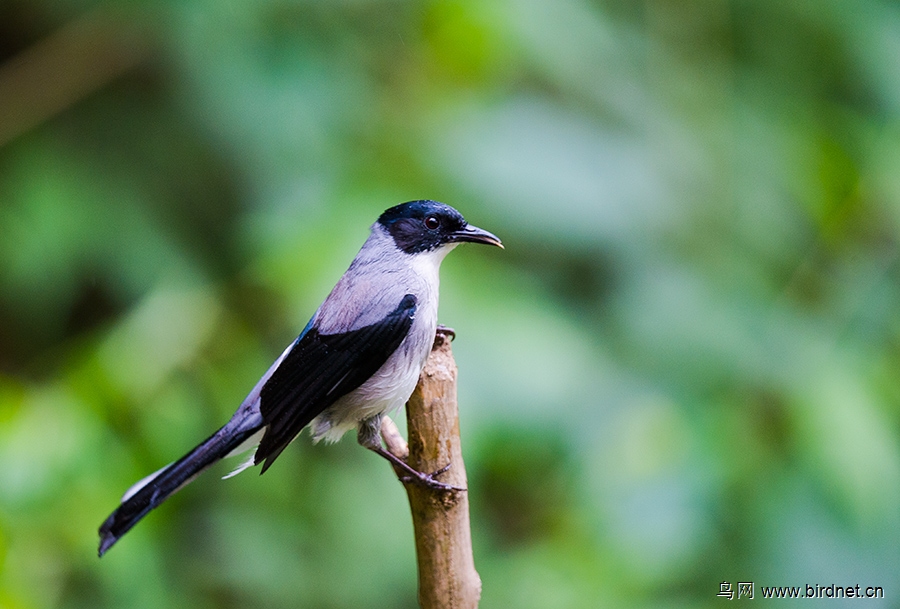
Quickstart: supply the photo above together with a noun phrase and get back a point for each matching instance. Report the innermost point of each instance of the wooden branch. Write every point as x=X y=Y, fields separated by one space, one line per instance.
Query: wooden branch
x=394 y=441
x=447 y=575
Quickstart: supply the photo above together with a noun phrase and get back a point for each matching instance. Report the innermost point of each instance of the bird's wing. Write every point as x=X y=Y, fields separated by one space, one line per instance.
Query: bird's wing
x=320 y=369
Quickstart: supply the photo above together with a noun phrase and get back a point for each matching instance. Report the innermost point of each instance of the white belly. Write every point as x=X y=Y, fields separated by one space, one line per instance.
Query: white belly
x=390 y=387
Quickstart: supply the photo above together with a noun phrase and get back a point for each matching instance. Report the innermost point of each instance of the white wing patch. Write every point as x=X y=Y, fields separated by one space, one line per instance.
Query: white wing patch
x=249 y=444
x=137 y=486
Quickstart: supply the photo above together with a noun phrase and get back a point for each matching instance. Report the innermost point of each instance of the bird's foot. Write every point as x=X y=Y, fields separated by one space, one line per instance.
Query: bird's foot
x=442 y=336
x=446 y=331
x=408 y=475
x=428 y=480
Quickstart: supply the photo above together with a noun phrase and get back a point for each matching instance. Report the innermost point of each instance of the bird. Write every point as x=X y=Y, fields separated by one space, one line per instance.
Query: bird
x=358 y=358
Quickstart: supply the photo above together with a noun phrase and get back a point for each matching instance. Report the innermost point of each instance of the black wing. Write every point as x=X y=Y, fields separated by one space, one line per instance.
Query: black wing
x=319 y=370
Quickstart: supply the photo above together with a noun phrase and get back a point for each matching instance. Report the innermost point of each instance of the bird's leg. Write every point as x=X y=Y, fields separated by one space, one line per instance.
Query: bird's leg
x=415 y=476
x=368 y=436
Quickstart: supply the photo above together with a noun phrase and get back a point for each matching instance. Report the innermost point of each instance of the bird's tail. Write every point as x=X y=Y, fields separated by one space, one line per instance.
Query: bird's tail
x=156 y=488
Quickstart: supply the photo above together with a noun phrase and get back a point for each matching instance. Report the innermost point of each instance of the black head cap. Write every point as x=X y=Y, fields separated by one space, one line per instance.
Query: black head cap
x=421 y=226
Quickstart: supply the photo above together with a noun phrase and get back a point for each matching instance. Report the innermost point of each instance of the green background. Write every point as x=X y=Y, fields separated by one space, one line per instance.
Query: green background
x=683 y=370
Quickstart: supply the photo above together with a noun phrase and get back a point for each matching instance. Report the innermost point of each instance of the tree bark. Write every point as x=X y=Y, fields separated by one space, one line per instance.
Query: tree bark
x=447 y=575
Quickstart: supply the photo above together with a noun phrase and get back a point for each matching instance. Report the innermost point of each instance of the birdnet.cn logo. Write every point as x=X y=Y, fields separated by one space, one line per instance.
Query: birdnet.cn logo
x=748 y=590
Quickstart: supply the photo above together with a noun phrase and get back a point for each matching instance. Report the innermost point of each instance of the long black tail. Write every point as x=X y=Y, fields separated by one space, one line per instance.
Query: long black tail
x=138 y=504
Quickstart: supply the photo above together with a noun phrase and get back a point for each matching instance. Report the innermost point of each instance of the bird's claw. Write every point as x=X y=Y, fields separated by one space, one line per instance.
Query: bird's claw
x=446 y=331
x=442 y=470
x=409 y=475
x=428 y=480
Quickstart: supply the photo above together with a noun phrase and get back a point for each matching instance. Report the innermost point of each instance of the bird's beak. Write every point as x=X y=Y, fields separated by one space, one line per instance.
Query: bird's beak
x=473 y=234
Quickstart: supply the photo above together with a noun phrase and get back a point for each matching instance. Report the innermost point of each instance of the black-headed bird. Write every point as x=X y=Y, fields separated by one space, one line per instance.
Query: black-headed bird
x=358 y=358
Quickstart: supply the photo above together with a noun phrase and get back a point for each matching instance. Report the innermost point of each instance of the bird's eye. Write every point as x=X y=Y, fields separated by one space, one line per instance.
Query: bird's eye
x=432 y=222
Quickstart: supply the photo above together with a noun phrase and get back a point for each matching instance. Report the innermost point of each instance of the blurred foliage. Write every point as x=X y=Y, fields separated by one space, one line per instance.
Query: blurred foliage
x=683 y=369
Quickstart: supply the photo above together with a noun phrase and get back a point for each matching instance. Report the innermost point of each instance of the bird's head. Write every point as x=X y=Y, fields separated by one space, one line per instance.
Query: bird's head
x=424 y=226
